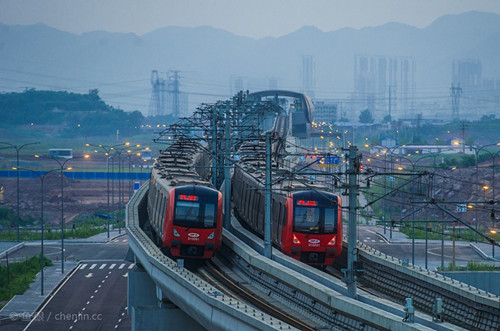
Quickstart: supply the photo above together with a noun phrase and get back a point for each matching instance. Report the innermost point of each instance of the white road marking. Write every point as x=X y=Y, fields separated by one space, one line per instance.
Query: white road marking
x=93 y=266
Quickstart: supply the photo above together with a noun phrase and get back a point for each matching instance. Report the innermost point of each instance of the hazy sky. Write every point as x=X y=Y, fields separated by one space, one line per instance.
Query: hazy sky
x=253 y=18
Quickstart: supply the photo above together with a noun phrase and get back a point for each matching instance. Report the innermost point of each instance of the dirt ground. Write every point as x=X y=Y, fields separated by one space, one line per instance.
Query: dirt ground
x=80 y=196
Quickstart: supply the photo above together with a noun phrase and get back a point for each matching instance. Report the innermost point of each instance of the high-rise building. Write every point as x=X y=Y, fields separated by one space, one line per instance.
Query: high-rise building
x=307 y=75
x=384 y=84
x=467 y=73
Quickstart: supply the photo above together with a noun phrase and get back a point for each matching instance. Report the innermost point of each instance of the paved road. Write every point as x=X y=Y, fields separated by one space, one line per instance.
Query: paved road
x=401 y=247
x=73 y=250
x=94 y=297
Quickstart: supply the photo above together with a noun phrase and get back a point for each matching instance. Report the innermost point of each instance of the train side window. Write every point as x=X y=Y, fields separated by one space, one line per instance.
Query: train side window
x=156 y=207
x=330 y=220
x=251 y=195
x=274 y=212
x=282 y=214
x=163 y=210
x=209 y=218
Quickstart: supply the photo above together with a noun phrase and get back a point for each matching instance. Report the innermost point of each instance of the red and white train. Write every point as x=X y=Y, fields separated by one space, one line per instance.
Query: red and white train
x=185 y=212
x=306 y=220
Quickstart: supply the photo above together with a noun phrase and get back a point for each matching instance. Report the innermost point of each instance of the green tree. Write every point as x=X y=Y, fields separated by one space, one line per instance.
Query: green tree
x=366 y=116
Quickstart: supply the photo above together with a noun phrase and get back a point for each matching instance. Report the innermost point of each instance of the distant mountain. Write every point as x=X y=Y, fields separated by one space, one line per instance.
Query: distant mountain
x=119 y=64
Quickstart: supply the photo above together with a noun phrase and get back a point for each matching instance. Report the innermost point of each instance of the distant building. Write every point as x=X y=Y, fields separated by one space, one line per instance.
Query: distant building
x=384 y=85
x=326 y=111
x=422 y=149
x=467 y=73
x=242 y=83
x=388 y=142
x=307 y=75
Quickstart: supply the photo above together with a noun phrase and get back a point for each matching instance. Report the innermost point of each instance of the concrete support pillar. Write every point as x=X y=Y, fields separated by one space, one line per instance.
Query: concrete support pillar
x=150 y=310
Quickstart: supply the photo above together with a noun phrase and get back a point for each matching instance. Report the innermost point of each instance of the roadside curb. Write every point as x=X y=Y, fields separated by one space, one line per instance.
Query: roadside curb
x=117 y=236
x=33 y=314
x=384 y=238
x=482 y=253
x=12 y=249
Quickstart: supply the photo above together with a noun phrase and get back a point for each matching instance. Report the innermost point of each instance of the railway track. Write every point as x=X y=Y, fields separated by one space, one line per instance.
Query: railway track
x=335 y=273
x=212 y=273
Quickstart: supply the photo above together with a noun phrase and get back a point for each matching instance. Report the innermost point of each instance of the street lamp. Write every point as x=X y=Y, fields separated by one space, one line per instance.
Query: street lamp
x=413 y=166
x=42 y=176
x=493 y=156
x=107 y=151
x=61 y=169
x=18 y=149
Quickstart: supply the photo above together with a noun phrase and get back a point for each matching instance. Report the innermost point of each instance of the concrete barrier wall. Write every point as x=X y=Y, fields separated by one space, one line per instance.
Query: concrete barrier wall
x=488 y=281
x=463 y=304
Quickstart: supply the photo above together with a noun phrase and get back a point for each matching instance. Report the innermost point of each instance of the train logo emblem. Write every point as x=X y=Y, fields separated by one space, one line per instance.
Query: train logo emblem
x=314 y=242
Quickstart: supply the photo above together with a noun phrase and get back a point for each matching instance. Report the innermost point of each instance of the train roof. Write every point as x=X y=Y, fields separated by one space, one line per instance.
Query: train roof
x=253 y=161
x=175 y=166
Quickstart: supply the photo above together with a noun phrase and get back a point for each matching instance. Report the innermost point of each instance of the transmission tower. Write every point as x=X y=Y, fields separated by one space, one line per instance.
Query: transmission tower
x=455 y=93
x=156 y=104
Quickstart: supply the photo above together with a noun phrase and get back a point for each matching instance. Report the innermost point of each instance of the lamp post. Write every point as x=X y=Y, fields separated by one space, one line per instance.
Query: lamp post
x=42 y=176
x=493 y=156
x=18 y=149
x=126 y=150
x=62 y=164
x=413 y=166
x=108 y=150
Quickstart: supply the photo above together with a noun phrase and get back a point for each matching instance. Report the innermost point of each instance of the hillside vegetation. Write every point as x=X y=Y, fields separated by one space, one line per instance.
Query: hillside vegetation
x=63 y=114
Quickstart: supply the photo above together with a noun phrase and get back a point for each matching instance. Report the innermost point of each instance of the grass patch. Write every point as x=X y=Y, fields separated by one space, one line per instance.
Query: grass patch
x=472 y=266
x=15 y=278
x=434 y=231
x=84 y=226
x=9 y=218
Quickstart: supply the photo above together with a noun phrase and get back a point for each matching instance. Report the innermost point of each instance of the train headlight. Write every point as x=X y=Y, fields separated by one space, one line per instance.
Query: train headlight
x=212 y=235
x=176 y=234
x=295 y=239
x=332 y=242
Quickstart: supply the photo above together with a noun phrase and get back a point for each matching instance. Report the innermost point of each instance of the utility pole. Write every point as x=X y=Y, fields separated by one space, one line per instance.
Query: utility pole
x=352 y=172
x=463 y=137
x=227 y=174
x=267 y=211
x=213 y=119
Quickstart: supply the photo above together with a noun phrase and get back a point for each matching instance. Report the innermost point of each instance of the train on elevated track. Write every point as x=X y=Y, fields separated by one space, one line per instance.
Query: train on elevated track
x=185 y=211
x=306 y=219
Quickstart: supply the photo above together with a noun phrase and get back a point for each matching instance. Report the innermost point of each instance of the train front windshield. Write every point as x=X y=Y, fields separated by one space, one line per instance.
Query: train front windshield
x=311 y=216
x=194 y=211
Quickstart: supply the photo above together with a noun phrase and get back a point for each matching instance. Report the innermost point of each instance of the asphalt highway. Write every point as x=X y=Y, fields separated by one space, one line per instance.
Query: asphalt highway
x=93 y=297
